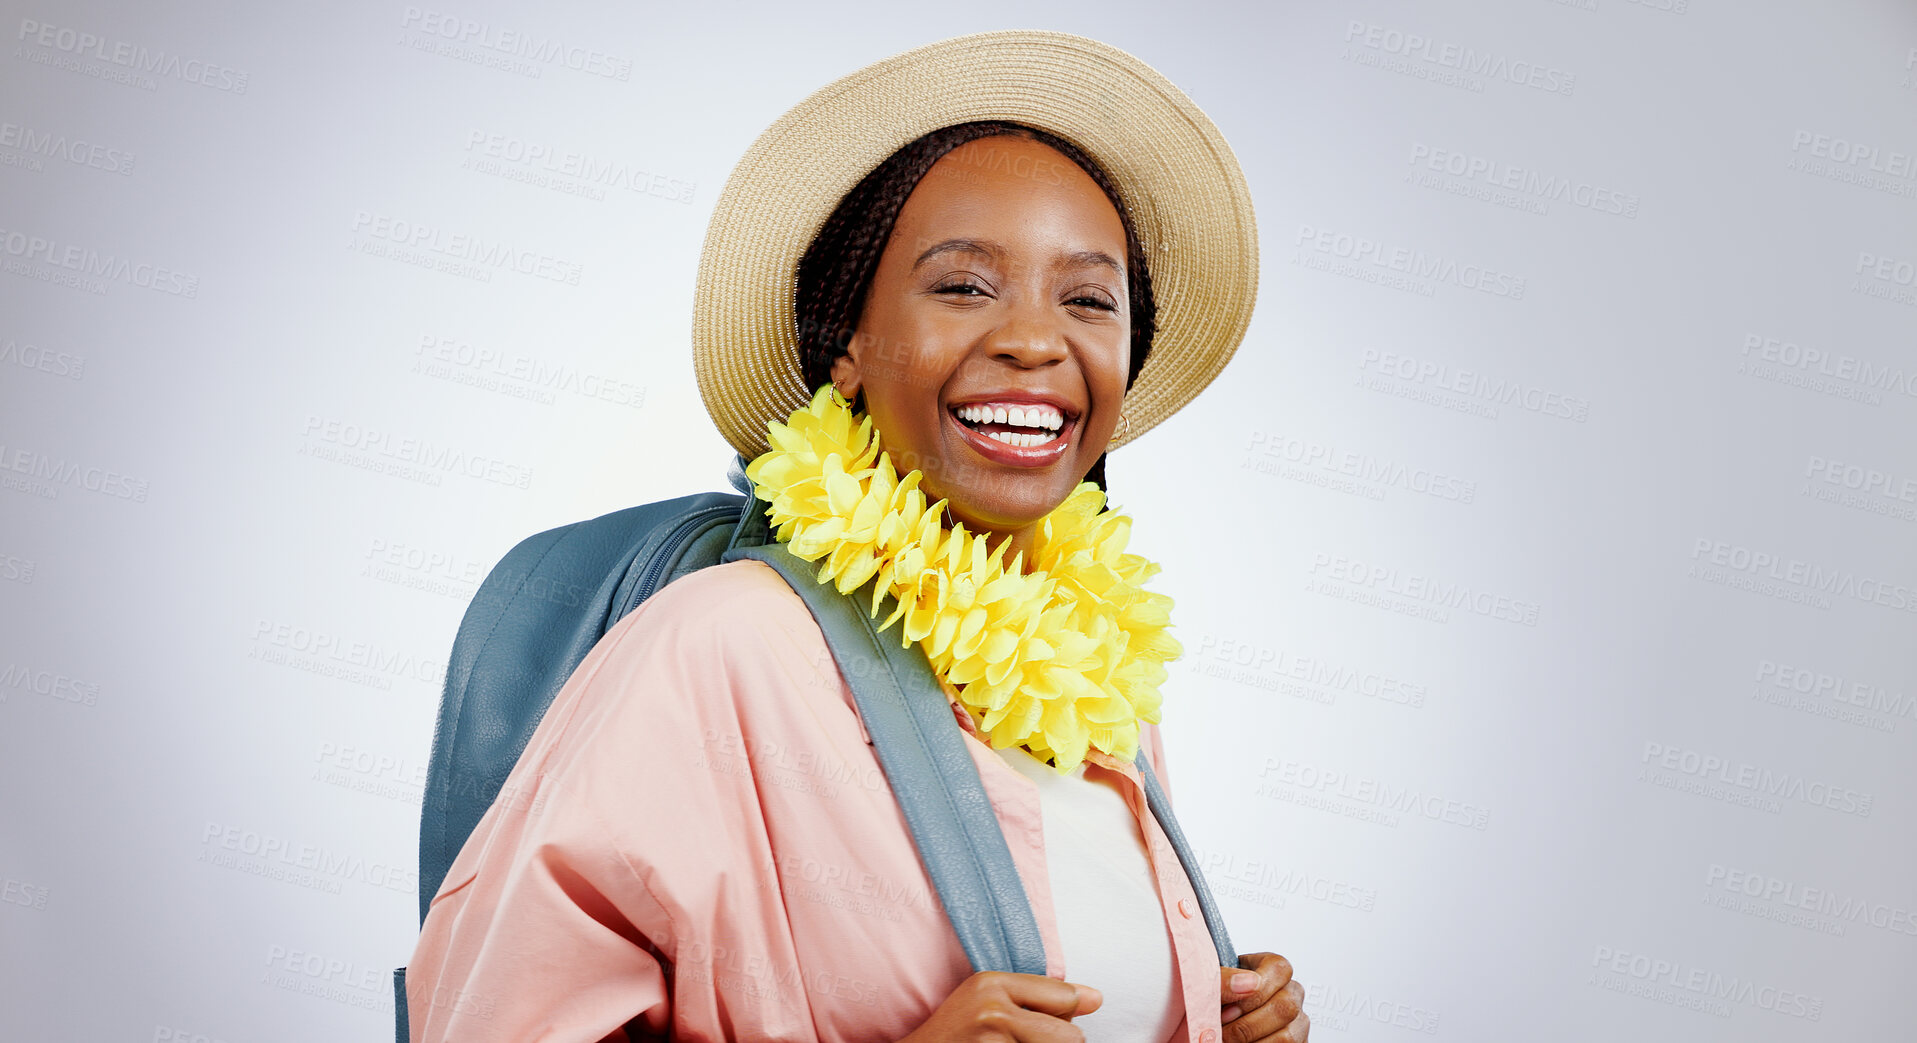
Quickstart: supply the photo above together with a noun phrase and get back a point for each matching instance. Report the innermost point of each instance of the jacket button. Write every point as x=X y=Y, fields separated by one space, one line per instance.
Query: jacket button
x=1208 y=1036
x=1184 y=907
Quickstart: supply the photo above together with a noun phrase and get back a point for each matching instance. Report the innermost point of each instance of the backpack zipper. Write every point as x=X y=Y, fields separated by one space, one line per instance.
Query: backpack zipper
x=669 y=549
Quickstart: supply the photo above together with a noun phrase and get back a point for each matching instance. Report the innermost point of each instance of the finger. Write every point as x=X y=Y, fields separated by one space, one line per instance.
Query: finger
x=1269 y=965
x=1030 y=1026
x=1298 y=1031
x=1036 y=992
x=1236 y=985
x=1257 y=978
x=1270 y=1020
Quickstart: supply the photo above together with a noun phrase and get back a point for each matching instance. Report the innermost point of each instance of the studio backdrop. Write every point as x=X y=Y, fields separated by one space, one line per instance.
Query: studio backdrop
x=1545 y=561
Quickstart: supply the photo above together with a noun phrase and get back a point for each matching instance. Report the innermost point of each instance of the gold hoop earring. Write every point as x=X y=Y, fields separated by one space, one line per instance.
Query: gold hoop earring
x=1126 y=423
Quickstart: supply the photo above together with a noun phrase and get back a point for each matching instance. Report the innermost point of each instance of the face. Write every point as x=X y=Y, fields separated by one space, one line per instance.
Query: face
x=995 y=338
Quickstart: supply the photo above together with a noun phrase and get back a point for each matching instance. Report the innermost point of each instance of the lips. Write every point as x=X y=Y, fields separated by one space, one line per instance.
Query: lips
x=1021 y=432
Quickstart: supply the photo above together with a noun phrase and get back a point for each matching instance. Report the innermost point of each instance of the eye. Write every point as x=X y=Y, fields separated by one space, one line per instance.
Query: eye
x=1093 y=302
x=960 y=288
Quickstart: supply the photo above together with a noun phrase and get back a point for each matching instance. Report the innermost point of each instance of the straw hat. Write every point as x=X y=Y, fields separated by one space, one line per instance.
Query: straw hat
x=1185 y=192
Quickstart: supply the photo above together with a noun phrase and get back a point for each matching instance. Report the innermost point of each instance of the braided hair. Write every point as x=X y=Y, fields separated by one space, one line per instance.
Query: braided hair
x=836 y=271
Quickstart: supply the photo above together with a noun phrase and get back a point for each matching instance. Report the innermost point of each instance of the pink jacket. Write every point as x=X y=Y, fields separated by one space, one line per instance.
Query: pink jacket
x=700 y=841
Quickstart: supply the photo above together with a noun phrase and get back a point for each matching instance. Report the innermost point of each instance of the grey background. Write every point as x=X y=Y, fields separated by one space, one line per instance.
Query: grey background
x=225 y=613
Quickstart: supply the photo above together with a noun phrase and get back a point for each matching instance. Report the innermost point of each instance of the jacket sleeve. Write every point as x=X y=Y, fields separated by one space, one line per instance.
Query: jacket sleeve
x=542 y=934
x=542 y=930
x=616 y=840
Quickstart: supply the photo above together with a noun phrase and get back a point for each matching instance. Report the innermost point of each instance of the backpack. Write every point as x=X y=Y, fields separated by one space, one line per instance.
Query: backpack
x=550 y=599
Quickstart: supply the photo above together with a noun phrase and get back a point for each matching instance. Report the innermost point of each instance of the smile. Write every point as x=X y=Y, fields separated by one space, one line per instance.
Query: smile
x=1021 y=425
x=1018 y=433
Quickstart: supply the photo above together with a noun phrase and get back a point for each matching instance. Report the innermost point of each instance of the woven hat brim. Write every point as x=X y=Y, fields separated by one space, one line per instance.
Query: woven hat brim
x=1181 y=183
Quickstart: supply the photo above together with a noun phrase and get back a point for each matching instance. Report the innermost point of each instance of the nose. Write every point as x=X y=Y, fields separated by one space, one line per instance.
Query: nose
x=1027 y=339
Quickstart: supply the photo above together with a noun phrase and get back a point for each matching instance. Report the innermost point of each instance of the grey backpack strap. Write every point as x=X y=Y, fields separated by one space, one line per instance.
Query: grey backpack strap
x=400 y=1011
x=923 y=753
x=1161 y=809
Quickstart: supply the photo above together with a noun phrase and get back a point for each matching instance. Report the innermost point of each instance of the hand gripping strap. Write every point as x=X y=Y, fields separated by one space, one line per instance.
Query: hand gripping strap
x=932 y=776
x=1161 y=808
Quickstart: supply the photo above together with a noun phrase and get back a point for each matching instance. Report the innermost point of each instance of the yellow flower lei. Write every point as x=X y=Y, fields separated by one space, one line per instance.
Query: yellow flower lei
x=1066 y=657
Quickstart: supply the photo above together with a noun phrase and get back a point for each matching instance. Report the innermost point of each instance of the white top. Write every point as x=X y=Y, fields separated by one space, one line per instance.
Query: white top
x=1110 y=921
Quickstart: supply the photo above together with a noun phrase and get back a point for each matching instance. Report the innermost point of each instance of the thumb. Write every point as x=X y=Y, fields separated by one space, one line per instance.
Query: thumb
x=1089 y=999
x=1236 y=985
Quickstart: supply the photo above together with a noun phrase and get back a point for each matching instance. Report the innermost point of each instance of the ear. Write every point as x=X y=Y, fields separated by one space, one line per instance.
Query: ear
x=846 y=375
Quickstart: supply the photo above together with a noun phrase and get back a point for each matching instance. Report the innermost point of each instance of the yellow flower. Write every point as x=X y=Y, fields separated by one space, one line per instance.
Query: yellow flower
x=1062 y=659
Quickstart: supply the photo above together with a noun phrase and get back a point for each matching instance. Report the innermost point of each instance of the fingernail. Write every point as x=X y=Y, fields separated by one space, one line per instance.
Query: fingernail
x=1243 y=982
x=1230 y=1014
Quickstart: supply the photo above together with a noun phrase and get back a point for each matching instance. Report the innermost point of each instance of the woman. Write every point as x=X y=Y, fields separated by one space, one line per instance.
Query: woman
x=985 y=293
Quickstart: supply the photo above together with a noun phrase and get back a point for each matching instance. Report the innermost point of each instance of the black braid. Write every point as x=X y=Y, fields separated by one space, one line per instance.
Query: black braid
x=836 y=271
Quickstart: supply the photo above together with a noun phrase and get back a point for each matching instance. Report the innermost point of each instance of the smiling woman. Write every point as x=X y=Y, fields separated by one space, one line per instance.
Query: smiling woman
x=925 y=351
x=1018 y=306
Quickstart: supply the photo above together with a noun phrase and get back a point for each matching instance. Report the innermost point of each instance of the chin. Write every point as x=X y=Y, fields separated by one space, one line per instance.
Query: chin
x=1009 y=511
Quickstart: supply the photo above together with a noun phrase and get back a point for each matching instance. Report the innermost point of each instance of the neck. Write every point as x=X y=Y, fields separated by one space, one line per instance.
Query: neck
x=1022 y=542
x=1019 y=542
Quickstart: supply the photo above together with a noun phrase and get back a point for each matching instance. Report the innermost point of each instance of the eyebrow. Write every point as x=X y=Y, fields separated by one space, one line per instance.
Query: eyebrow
x=1076 y=259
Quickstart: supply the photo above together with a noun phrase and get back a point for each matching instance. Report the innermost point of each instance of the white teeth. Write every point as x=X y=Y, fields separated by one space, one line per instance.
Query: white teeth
x=1020 y=439
x=1039 y=417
